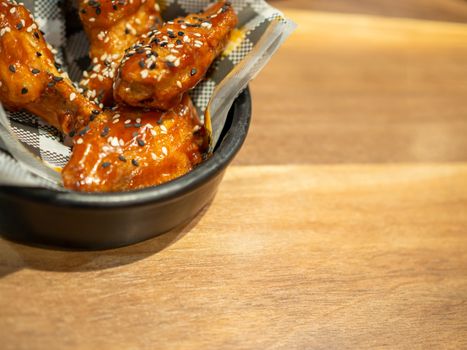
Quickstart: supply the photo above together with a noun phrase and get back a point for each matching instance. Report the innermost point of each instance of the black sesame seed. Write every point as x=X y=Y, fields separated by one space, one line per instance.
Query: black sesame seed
x=170 y=64
x=92 y=117
x=122 y=158
x=51 y=84
x=105 y=131
x=57 y=79
x=12 y=68
x=24 y=91
x=127 y=31
x=140 y=50
x=141 y=63
x=36 y=34
x=141 y=142
x=115 y=7
x=105 y=164
x=19 y=26
x=172 y=36
x=164 y=44
x=72 y=133
x=38 y=54
x=35 y=71
x=137 y=125
x=178 y=42
x=57 y=65
x=152 y=66
x=134 y=162
x=193 y=71
x=181 y=33
x=98 y=11
x=95 y=111
x=83 y=131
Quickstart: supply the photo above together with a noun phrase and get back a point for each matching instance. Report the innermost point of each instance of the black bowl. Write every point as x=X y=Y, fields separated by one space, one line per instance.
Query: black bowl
x=102 y=221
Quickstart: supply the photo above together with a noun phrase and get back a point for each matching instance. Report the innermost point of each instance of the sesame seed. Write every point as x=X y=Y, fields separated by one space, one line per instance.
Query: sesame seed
x=164 y=150
x=35 y=71
x=105 y=131
x=105 y=164
x=12 y=68
x=193 y=71
x=122 y=158
x=79 y=141
x=134 y=162
x=179 y=84
x=144 y=73
x=72 y=96
x=141 y=142
x=24 y=91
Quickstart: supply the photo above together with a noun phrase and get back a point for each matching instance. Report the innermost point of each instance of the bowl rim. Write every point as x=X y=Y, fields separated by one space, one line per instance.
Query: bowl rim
x=221 y=158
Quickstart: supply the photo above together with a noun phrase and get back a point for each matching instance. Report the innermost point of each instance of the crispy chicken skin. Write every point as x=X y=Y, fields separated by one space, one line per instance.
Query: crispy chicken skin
x=112 y=26
x=157 y=71
x=135 y=149
x=29 y=78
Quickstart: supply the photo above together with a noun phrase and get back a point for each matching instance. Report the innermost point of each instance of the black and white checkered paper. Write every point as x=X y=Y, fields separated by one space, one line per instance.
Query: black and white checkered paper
x=60 y=21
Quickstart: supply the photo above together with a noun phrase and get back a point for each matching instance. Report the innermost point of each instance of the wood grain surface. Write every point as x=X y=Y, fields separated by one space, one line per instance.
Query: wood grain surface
x=359 y=257
x=342 y=224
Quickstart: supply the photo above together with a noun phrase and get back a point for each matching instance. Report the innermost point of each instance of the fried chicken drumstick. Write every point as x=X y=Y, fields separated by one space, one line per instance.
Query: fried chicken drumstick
x=157 y=71
x=29 y=78
x=136 y=149
x=112 y=26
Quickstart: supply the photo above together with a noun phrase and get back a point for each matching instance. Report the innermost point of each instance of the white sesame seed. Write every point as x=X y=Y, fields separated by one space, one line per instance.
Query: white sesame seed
x=115 y=142
x=179 y=84
x=153 y=156
x=144 y=73
x=72 y=96
x=79 y=141
x=92 y=19
x=164 y=150
x=13 y=10
x=170 y=58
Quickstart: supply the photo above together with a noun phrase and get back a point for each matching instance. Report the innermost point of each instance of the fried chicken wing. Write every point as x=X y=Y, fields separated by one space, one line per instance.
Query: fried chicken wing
x=157 y=71
x=112 y=26
x=136 y=148
x=29 y=76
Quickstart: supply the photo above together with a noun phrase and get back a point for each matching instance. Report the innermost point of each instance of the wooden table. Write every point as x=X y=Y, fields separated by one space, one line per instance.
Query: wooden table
x=342 y=224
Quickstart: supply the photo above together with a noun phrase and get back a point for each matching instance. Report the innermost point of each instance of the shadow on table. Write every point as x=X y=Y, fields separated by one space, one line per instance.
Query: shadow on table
x=16 y=256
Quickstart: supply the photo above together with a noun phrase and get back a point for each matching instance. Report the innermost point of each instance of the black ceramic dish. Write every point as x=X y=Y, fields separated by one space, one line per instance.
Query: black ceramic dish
x=101 y=221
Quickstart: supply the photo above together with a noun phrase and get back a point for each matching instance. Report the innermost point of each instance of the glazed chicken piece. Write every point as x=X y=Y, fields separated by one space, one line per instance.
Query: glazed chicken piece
x=112 y=26
x=136 y=148
x=157 y=71
x=29 y=77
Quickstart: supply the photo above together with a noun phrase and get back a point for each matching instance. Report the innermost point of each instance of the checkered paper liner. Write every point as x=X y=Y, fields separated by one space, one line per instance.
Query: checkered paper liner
x=41 y=146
